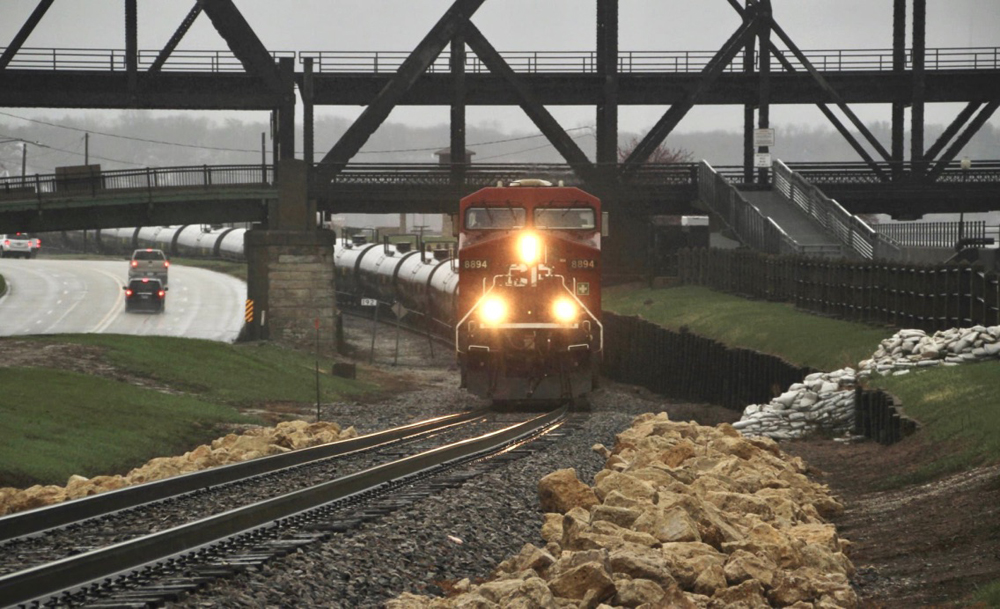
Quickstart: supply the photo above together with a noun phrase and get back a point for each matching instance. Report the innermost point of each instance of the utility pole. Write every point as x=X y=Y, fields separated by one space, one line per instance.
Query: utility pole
x=24 y=161
x=86 y=149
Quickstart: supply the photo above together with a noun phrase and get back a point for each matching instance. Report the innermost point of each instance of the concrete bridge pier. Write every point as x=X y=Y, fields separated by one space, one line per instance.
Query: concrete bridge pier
x=290 y=278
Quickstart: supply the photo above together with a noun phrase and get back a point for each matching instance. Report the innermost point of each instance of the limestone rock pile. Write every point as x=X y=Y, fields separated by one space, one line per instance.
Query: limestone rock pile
x=681 y=516
x=233 y=448
x=908 y=349
x=823 y=401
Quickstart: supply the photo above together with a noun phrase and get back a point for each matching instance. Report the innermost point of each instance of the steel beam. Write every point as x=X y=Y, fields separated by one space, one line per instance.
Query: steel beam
x=413 y=66
x=286 y=114
x=545 y=122
x=919 y=83
x=834 y=95
x=836 y=122
x=308 y=122
x=677 y=111
x=748 y=109
x=243 y=42
x=179 y=33
x=898 y=66
x=963 y=139
x=951 y=130
x=764 y=20
x=24 y=32
x=132 y=46
x=607 y=71
x=458 y=157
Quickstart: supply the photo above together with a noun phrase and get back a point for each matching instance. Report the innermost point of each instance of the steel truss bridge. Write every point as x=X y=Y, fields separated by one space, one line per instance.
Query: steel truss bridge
x=758 y=66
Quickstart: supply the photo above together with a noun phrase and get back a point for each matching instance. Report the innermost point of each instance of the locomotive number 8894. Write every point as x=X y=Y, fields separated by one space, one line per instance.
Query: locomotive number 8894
x=529 y=296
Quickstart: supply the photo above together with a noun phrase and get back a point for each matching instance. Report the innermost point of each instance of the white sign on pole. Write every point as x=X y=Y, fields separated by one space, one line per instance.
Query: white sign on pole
x=369 y=302
x=763 y=137
x=762 y=159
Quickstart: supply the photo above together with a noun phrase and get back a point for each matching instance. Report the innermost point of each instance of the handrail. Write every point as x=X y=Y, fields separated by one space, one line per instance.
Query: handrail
x=848 y=228
x=532 y=62
x=97 y=182
x=752 y=227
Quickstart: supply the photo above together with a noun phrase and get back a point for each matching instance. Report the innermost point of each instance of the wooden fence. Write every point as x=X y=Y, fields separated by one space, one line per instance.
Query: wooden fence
x=925 y=296
x=686 y=366
x=690 y=367
x=878 y=415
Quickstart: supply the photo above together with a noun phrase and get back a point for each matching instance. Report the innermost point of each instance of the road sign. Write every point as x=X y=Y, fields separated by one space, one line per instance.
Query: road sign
x=763 y=137
x=399 y=310
x=762 y=159
x=369 y=302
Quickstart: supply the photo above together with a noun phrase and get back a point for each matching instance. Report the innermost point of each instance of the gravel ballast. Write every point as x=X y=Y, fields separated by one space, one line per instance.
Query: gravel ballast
x=462 y=532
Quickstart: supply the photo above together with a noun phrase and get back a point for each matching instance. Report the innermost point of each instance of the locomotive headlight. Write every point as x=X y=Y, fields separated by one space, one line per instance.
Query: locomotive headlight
x=564 y=310
x=530 y=248
x=493 y=310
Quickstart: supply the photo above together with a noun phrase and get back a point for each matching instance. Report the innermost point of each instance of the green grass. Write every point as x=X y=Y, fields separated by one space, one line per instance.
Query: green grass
x=236 y=269
x=3 y=285
x=988 y=594
x=239 y=375
x=777 y=328
x=958 y=408
x=68 y=423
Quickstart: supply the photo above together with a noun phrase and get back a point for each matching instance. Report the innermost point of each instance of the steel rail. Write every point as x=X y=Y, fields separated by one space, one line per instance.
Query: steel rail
x=61 y=514
x=75 y=572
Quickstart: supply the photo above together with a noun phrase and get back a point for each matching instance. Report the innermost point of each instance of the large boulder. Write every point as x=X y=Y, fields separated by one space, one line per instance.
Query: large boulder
x=562 y=491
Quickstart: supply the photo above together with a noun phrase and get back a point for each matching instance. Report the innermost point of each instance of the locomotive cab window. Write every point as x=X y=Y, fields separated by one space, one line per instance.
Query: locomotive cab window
x=581 y=218
x=494 y=218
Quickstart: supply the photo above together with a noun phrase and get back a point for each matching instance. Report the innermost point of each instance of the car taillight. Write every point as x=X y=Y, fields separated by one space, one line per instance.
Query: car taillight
x=128 y=293
x=135 y=263
x=161 y=293
x=38 y=243
x=6 y=242
x=166 y=263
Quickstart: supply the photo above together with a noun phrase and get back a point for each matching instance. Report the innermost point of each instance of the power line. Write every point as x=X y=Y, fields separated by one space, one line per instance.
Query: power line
x=248 y=151
x=496 y=156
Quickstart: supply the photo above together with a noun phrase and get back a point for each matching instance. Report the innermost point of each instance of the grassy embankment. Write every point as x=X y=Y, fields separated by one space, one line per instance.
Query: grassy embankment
x=955 y=405
x=56 y=423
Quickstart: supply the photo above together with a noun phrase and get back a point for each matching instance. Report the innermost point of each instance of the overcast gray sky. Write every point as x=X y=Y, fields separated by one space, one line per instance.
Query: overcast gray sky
x=522 y=25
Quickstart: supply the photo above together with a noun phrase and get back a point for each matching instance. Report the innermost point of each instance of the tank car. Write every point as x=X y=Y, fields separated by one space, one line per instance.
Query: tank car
x=529 y=298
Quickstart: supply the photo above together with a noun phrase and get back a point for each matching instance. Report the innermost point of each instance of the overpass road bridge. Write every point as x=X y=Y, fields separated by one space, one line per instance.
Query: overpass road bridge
x=211 y=194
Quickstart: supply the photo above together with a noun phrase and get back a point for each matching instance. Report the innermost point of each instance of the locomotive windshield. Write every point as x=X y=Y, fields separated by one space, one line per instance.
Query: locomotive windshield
x=565 y=218
x=477 y=218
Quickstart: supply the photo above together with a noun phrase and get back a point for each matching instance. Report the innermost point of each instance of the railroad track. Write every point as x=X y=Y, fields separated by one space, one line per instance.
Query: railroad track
x=166 y=562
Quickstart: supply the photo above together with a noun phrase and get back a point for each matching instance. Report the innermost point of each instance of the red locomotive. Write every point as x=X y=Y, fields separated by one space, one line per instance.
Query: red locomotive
x=529 y=298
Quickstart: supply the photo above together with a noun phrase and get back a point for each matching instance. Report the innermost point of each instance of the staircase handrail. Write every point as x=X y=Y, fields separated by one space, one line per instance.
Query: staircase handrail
x=753 y=228
x=848 y=228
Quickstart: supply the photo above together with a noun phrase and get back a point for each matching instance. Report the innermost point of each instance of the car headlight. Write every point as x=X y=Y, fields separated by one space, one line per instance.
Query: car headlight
x=493 y=310
x=564 y=310
x=530 y=248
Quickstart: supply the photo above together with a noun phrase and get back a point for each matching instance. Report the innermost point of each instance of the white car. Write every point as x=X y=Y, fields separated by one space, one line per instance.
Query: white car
x=16 y=244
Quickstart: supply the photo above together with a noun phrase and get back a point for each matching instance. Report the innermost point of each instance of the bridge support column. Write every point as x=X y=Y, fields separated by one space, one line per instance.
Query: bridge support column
x=290 y=278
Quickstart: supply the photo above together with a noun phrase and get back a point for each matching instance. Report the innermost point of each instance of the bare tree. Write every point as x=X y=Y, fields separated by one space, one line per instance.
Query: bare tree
x=662 y=154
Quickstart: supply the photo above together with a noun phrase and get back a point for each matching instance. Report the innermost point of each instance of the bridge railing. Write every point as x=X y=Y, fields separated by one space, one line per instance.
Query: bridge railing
x=102 y=183
x=114 y=60
x=532 y=62
x=482 y=175
x=751 y=227
x=539 y=62
x=852 y=231
x=932 y=234
x=981 y=172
